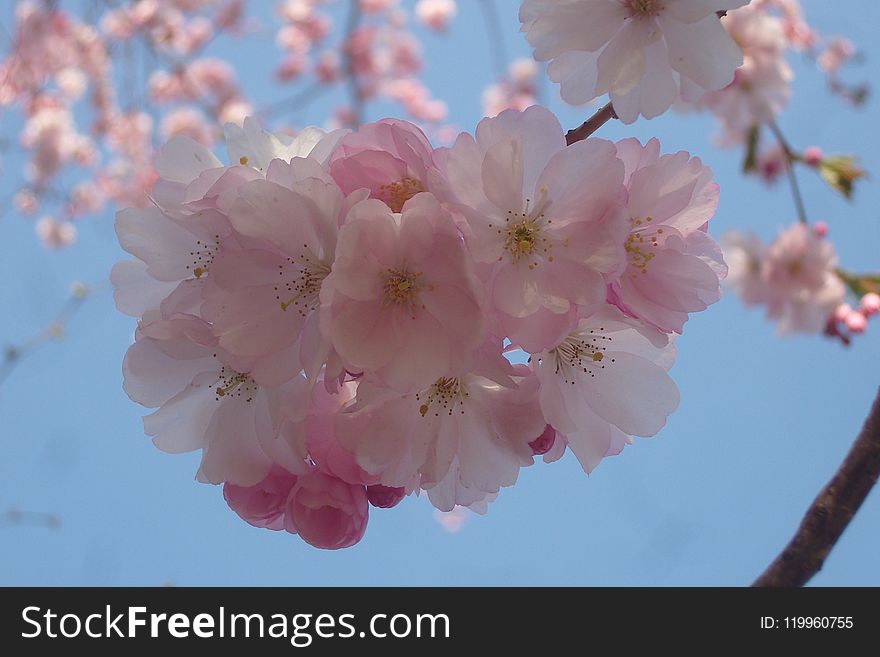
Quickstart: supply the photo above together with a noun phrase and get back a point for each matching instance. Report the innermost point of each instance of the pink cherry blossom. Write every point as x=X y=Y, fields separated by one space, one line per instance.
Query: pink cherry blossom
x=402 y=300
x=461 y=438
x=546 y=222
x=204 y=404
x=327 y=512
x=745 y=255
x=391 y=158
x=803 y=284
x=761 y=87
x=795 y=277
x=673 y=266
x=640 y=52
x=605 y=382
x=263 y=504
x=436 y=14
x=55 y=234
x=263 y=295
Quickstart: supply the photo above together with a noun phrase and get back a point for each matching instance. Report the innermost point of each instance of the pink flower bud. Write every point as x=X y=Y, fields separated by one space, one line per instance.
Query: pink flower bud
x=262 y=505
x=327 y=512
x=856 y=322
x=842 y=311
x=385 y=497
x=813 y=156
x=820 y=229
x=870 y=304
x=543 y=443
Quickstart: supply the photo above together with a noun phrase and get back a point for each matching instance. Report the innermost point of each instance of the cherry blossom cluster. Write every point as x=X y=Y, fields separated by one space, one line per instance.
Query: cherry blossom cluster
x=517 y=89
x=58 y=66
x=797 y=279
x=342 y=319
x=95 y=97
x=768 y=31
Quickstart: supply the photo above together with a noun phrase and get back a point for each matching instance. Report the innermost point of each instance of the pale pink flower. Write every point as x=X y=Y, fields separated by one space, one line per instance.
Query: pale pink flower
x=251 y=145
x=327 y=512
x=836 y=53
x=391 y=158
x=461 y=438
x=55 y=234
x=188 y=122
x=26 y=201
x=263 y=504
x=402 y=300
x=263 y=295
x=175 y=365
x=436 y=14
x=761 y=86
x=546 y=222
x=606 y=382
x=517 y=90
x=329 y=455
x=452 y=521
x=745 y=255
x=673 y=266
x=640 y=52
x=800 y=273
x=771 y=163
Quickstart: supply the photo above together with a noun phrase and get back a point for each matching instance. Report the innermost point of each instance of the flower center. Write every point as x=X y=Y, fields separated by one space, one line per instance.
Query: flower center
x=645 y=8
x=234 y=384
x=402 y=287
x=524 y=233
x=302 y=288
x=395 y=194
x=203 y=257
x=640 y=242
x=448 y=394
x=581 y=353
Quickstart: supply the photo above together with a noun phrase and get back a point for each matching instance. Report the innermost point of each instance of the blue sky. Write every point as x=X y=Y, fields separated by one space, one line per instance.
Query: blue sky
x=762 y=425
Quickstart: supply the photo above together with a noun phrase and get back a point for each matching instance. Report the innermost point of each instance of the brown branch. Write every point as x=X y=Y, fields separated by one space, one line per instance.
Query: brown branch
x=588 y=127
x=831 y=512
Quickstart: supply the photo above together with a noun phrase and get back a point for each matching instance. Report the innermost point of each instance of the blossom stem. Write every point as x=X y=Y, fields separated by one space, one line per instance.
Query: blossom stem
x=496 y=37
x=791 y=158
x=13 y=354
x=588 y=127
x=357 y=94
x=831 y=511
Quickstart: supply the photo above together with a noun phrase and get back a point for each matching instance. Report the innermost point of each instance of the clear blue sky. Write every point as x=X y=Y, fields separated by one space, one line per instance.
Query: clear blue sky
x=762 y=425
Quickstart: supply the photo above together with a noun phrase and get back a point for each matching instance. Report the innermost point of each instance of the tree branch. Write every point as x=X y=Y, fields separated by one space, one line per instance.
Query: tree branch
x=357 y=95
x=495 y=36
x=588 y=127
x=831 y=512
x=791 y=158
x=12 y=355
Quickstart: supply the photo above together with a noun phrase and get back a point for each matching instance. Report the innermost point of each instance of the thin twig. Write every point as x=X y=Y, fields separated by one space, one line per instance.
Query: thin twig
x=357 y=96
x=791 y=158
x=831 y=511
x=54 y=330
x=497 y=49
x=295 y=102
x=16 y=518
x=588 y=127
